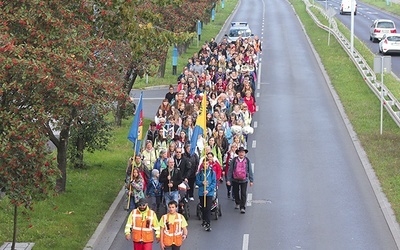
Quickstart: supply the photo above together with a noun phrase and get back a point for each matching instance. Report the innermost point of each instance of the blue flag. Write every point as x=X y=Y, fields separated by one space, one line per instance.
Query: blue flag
x=136 y=131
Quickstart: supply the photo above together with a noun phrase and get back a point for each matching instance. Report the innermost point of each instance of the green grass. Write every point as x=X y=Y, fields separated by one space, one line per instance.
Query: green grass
x=68 y=220
x=361 y=106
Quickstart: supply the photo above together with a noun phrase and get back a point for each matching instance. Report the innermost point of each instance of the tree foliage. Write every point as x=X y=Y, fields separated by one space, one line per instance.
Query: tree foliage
x=50 y=55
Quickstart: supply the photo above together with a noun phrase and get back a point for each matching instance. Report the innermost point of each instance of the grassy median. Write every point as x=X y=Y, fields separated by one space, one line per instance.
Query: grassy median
x=361 y=106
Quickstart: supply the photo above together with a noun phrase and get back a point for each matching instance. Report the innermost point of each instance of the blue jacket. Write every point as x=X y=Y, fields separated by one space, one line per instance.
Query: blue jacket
x=211 y=178
x=157 y=164
x=153 y=188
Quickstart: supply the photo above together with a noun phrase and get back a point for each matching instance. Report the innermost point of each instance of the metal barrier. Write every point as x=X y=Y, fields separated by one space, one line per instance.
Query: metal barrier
x=391 y=104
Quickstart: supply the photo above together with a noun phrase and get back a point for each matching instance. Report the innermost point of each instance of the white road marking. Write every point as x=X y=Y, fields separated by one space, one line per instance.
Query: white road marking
x=255 y=124
x=252 y=167
x=254 y=144
x=245 y=245
x=249 y=198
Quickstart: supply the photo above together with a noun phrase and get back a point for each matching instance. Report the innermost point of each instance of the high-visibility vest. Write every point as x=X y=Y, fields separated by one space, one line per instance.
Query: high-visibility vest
x=257 y=45
x=142 y=230
x=174 y=234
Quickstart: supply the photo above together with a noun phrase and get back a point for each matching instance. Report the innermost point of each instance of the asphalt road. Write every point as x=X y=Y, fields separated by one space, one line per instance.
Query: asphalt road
x=366 y=14
x=311 y=190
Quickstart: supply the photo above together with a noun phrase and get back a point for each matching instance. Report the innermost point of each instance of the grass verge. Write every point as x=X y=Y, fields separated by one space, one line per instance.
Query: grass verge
x=361 y=106
x=68 y=220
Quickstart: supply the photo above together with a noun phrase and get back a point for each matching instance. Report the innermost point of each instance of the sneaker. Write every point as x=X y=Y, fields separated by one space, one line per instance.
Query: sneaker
x=191 y=198
x=207 y=228
x=237 y=207
x=229 y=195
x=204 y=224
x=242 y=211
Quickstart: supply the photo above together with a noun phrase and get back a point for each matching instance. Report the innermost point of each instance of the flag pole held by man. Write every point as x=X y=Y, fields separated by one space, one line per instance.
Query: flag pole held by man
x=135 y=135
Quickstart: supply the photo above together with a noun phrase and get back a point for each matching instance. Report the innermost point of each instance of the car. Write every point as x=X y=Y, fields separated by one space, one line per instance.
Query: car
x=381 y=27
x=345 y=7
x=390 y=43
x=238 y=29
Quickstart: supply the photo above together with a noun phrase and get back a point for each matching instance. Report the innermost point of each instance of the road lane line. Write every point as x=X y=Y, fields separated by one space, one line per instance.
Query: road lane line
x=254 y=144
x=255 y=124
x=245 y=245
x=252 y=167
x=249 y=199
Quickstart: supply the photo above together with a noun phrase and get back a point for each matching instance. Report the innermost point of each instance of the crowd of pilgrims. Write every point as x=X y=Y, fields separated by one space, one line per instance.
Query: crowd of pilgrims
x=225 y=74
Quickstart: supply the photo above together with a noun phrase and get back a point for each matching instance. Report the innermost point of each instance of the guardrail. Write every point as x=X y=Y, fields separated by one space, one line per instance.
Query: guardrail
x=390 y=102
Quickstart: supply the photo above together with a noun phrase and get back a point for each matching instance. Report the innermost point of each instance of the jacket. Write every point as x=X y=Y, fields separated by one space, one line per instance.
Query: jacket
x=172 y=230
x=249 y=172
x=184 y=166
x=210 y=177
x=176 y=178
x=141 y=225
x=153 y=188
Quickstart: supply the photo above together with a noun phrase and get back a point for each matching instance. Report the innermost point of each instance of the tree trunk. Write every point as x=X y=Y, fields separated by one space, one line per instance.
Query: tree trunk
x=80 y=146
x=62 y=159
x=15 y=227
x=161 y=69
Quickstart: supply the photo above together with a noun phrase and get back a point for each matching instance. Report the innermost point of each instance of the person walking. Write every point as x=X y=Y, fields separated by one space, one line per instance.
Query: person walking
x=140 y=227
x=173 y=227
x=239 y=175
x=194 y=162
x=134 y=189
x=154 y=191
x=171 y=177
x=206 y=180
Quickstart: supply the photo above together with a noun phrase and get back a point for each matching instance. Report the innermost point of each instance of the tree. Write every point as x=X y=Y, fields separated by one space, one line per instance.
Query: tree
x=27 y=173
x=90 y=132
x=140 y=25
x=53 y=57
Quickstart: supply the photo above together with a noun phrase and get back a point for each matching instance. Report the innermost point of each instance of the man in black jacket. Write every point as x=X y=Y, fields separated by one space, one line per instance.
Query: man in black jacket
x=194 y=163
x=170 y=178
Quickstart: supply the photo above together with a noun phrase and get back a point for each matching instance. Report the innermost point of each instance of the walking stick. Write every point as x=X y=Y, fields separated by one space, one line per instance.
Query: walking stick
x=205 y=179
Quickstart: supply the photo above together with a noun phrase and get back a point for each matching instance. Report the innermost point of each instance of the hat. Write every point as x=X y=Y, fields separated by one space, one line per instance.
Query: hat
x=142 y=201
x=241 y=149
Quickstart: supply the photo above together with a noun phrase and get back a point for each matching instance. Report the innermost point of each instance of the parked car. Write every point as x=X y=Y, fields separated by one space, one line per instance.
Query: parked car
x=345 y=7
x=238 y=29
x=381 y=27
x=390 y=43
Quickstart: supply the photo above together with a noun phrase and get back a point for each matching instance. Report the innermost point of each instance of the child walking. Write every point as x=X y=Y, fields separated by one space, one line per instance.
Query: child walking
x=154 y=191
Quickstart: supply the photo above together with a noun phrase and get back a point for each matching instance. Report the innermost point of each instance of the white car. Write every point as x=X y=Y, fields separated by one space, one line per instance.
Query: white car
x=390 y=43
x=238 y=29
x=345 y=7
x=381 y=27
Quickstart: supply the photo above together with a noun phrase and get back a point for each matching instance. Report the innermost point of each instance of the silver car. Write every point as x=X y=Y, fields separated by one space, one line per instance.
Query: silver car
x=381 y=27
x=238 y=29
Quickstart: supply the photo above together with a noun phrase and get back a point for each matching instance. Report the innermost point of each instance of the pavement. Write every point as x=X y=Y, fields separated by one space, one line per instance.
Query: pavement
x=111 y=223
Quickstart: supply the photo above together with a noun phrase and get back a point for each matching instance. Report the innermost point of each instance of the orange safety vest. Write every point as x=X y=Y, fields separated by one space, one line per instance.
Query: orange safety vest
x=142 y=230
x=175 y=232
x=257 y=45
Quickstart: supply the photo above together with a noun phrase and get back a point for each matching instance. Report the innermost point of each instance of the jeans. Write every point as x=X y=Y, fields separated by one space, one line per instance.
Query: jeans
x=173 y=195
x=240 y=198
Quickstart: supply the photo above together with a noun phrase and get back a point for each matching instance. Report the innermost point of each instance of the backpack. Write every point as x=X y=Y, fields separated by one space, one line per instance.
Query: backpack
x=239 y=172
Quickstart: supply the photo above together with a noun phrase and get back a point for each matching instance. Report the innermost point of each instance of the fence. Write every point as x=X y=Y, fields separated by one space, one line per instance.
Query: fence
x=391 y=104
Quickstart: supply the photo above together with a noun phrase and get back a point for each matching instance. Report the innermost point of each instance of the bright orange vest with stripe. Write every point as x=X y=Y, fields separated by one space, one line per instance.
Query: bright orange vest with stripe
x=142 y=230
x=175 y=232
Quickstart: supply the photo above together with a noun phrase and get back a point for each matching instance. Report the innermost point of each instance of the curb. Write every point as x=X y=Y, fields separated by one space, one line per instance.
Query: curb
x=99 y=239
x=380 y=196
